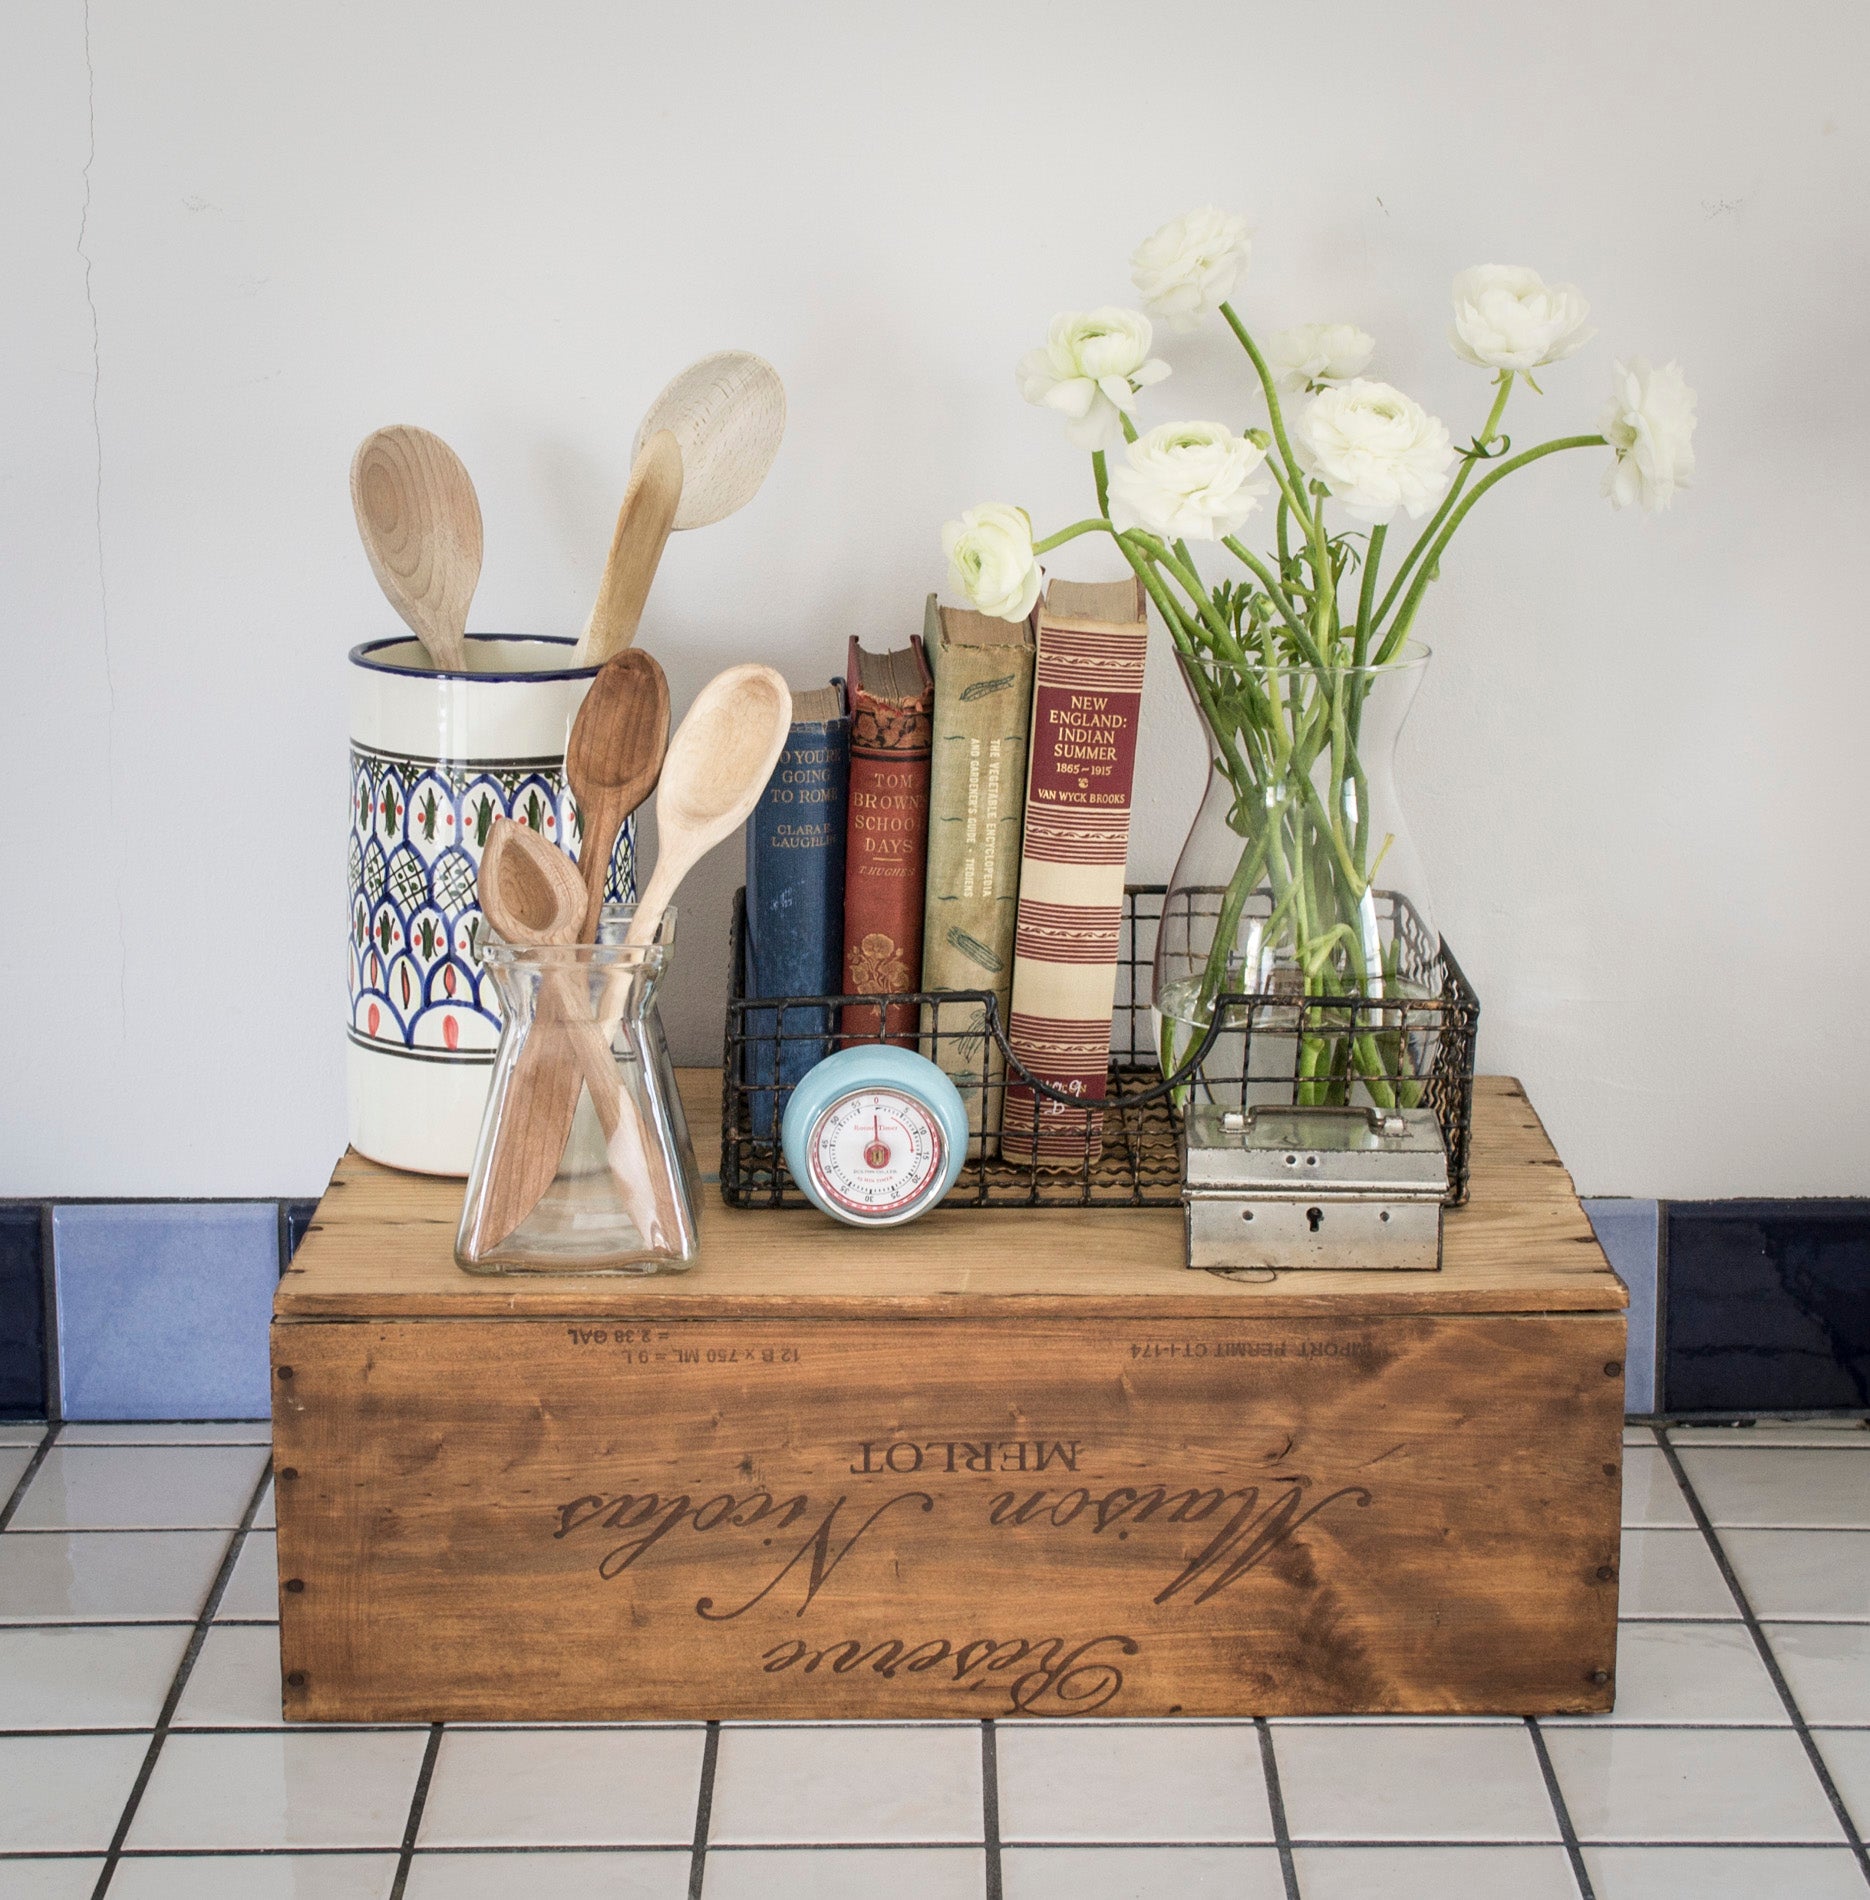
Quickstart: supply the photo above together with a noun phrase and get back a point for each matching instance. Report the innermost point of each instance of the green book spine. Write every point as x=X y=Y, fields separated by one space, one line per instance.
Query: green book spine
x=977 y=808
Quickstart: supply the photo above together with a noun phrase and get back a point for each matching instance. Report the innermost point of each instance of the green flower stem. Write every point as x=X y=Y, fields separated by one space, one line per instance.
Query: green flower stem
x=1277 y=594
x=1199 y=597
x=1399 y=632
x=1273 y=410
x=1220 y=948
x=1100 y=474
x=1448 y=501
x=1077 y=528
x=1293 y=496
x=1373 y=555
x=1183 y=636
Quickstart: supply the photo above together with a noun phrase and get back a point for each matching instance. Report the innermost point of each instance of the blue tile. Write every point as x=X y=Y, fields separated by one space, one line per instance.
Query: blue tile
x=22 y=1312
x=1627 y=1231
x=1768 y=1306
x=163 y=1309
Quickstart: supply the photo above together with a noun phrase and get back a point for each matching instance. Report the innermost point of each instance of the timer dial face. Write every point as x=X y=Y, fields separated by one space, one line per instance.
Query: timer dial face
x=877 y=1155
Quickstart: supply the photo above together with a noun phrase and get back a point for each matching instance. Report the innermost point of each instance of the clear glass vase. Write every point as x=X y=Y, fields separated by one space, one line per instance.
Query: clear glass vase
x=1299 y=887
x=610 y=1187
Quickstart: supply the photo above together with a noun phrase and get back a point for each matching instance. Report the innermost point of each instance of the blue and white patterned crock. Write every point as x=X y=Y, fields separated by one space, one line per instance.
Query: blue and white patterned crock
x=435 y=759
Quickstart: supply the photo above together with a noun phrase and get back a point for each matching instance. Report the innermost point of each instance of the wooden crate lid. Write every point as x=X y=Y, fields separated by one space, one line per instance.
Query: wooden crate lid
x=382 y=1246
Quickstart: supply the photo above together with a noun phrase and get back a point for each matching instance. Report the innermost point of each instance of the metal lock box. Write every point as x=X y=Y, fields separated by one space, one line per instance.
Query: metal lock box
x=1278 y=1186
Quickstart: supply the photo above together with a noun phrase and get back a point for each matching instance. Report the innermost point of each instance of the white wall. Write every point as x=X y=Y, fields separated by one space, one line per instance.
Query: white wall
x=1636 y=768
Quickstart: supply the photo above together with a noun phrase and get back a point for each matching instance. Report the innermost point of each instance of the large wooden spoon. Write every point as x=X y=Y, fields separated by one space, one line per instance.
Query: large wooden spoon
x=716 y=767
x=420 y=521
x=532 y=894
x=613 y=761
x=643 y=523
x=727 y=414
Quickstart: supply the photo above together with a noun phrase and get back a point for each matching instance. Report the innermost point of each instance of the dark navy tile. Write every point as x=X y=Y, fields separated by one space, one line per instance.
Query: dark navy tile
x=1767 y=1306
x=1627 y=1232
x=296 y=1217
x=163 y=1309
x=22 y=1312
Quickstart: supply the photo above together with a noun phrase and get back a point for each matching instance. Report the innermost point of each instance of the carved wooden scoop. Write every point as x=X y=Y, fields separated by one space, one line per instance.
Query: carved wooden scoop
x=532 y=894
x=420 y=521
x=716 y=767
x=613 y=761
x=727 y=413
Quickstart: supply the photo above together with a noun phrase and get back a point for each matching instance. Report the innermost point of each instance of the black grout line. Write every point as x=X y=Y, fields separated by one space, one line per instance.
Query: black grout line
x=1569 y=1725
x=990 y=1806
x=1731 y=1577
x=1556 y=1795
x=1354 y=1843
x=417 y=1802
x=26 y=1477
x=203 y=1623
x=1336 y=1844
x=1276 y=1802
x=704 y=1812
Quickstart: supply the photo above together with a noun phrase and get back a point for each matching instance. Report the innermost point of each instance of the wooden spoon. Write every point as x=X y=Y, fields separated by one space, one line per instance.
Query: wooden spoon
x=643 y=523
x=532 y=894
x=716 y=767
x=613 y=761
x=727 y=414
x=420 y=521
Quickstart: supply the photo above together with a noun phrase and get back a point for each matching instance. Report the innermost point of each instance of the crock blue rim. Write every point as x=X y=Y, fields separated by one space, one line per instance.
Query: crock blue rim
x=361 y=655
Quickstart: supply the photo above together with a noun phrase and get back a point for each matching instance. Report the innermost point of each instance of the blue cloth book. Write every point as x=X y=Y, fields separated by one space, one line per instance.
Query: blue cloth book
x=795 y=901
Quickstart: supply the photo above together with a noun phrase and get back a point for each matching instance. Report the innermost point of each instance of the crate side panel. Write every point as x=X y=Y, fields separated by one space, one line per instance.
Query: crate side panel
x=533 y=1520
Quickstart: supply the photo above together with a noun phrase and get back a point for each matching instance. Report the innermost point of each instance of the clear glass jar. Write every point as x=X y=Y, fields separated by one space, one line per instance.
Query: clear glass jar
x=612 y=1188
x=1299 y=885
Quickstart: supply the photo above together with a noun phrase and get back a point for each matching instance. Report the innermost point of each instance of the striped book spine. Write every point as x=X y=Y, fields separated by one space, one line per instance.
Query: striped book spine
x=1087 y=694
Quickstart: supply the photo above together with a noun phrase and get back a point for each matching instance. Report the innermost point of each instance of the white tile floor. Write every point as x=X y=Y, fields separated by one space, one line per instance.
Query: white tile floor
x=142 y=1755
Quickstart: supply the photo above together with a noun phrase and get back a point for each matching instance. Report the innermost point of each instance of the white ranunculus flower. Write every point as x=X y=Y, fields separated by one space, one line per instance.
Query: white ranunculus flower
x=1191 y=265
x=1193 y=480
x=1508 y=317
x=1312 y=354
x=990 y=560
x=1376 y=450
x=1092 y=365
x=1650 y=426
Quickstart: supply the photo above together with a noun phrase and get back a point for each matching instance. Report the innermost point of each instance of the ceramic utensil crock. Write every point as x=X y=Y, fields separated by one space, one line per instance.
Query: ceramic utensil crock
x=436 y=757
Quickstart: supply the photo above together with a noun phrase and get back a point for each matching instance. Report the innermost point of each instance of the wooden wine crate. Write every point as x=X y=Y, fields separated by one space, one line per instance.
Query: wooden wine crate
x=991 y=1464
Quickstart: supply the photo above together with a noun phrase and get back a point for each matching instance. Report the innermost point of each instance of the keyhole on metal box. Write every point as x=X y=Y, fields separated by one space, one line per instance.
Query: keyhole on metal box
x=1314 y=1218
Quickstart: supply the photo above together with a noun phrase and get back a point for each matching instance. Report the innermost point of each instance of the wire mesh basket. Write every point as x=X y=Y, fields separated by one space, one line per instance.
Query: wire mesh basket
x=1250 y=1053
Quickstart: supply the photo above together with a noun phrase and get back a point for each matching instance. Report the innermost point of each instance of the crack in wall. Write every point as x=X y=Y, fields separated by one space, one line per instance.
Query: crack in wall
x=97 y=509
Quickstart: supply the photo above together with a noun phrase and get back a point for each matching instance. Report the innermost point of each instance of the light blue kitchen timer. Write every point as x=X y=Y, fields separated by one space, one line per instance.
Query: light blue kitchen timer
x=875 y=1135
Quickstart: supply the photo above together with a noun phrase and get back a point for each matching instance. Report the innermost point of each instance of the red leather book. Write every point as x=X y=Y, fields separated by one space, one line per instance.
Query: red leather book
x=892 y=734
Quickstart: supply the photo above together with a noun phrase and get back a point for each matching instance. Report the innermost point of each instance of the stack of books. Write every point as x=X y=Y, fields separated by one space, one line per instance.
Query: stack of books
x=955 y=815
